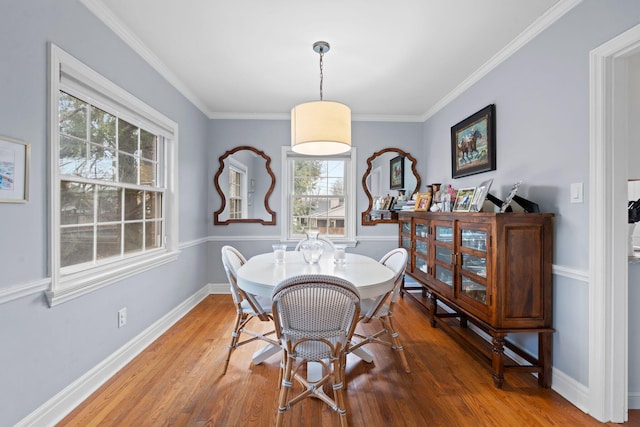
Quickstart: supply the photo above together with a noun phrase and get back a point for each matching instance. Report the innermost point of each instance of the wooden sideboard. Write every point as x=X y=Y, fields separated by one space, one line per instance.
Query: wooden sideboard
x=492 y=270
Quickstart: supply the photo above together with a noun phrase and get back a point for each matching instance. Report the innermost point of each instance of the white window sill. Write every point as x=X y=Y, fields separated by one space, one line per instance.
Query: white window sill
x=76 y=286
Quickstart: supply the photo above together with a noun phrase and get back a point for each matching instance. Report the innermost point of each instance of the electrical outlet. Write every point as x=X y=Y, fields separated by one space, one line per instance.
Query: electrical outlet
x=122 y=317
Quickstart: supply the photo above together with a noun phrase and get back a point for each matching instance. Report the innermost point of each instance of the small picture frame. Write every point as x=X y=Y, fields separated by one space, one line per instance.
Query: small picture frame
x=396 y=173
x=464 y=197
x=480 y=195
x=14 y=170
x=423 y=202
x=512 y=193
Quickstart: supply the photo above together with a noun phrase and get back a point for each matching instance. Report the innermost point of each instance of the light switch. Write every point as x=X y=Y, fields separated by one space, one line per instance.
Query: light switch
x=576 y=192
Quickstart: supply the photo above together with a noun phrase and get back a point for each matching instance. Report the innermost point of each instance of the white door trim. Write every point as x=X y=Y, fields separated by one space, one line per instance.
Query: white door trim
x=608 y=265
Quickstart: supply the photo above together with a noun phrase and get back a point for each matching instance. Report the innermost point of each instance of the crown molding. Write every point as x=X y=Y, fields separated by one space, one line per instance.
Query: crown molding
x=532 y=31
x=109 y=19
x=548 y=18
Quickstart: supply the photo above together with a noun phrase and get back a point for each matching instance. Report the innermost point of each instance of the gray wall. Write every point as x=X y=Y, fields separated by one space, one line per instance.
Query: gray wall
x=270 y=136
x=45 y=349
x=541 y=95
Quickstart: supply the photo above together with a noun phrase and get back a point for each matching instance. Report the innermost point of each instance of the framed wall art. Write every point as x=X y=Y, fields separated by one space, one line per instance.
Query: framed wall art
x=14 y=170
x=473 y=143
x=396 y=173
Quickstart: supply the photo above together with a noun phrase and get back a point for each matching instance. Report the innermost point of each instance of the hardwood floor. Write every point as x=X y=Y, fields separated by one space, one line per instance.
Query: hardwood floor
x=177 y=381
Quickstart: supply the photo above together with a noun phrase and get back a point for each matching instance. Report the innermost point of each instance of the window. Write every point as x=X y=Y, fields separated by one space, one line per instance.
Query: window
x=320 y=195
x=237 y=190
x=112 y=210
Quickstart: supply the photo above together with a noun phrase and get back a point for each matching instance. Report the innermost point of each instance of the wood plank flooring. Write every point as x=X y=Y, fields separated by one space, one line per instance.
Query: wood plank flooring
x=177 y=381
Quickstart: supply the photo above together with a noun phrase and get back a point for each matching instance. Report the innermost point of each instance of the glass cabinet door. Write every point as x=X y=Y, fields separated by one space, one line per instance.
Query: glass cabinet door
x=421 y=246
x=473 y=262
x=443 y=256
x=443 y=234
x=474 y=290
x=421 y=229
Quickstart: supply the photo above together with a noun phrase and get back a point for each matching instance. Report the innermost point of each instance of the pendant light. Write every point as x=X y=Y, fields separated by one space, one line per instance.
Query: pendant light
x=322 y=127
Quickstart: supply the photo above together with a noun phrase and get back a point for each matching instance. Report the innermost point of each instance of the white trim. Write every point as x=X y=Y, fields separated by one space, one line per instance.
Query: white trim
x=350 y=192
x=195 y=242
x=109 y=275
x=634 y=400
x=572 y=390
x=23 y=290
x=105 y=15
x=219 y=288
x=75 y=393
x=560 y=270
x=42 y=285
x=608 y=308
x=538 y=26
x=110 y=20
x=69 y=74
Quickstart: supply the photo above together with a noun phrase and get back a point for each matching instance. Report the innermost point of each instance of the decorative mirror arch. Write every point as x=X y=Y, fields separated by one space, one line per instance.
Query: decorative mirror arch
x=254 y=170
x=378 y=173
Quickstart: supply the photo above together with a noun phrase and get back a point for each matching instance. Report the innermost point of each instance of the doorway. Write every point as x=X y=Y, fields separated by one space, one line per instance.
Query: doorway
x=608 y=264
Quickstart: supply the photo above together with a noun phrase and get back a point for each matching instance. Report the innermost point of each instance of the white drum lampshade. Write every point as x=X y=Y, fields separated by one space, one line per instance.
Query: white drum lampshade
x=321 y=128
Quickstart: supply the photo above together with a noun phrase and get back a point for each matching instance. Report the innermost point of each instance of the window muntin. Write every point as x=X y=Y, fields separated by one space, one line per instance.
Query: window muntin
x=108 y=173
x=235 y=194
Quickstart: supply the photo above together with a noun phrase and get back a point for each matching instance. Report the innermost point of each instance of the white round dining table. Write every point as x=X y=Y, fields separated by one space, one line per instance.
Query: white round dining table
x=260 y=274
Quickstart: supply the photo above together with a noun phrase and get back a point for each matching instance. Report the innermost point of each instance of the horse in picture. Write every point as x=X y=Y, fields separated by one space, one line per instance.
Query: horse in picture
x=468 y=147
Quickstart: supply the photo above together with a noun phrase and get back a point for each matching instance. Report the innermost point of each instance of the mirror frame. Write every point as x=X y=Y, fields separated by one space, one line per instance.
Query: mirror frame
x=221 y=159
x=370 y=160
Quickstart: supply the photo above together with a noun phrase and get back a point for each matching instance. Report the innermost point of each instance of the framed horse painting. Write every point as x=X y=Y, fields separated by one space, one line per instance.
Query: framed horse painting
x=473 y=143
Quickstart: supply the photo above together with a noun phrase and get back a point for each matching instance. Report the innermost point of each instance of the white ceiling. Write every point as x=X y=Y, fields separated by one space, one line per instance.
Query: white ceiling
x=398 y=60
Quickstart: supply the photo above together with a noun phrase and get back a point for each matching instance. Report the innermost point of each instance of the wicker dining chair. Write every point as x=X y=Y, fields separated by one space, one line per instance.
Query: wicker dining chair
x=248 y=306
x=315 y=317
x=380 y=308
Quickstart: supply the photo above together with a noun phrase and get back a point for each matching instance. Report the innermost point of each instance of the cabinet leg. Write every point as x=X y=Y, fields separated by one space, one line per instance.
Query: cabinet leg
x=463 y=321
x=545 y=352
x=433 y=309
x=497 y=359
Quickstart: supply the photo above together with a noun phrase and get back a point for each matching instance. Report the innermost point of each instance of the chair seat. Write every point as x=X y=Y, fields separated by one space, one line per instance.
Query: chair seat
x=265 y=303
x=314 y=350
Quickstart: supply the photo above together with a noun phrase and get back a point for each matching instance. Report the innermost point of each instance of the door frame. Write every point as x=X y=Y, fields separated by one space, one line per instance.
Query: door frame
x=608 y=263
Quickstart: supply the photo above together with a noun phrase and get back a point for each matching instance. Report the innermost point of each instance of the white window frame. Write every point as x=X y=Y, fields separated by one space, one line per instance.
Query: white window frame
x=349 y=194
x=243 y=170
x=71 y=76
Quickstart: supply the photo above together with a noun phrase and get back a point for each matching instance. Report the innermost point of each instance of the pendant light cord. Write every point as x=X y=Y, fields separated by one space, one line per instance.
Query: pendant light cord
x=321 y=75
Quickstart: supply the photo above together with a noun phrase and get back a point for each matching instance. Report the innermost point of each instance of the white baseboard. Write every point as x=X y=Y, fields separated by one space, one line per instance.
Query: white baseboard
x=634 y=400
x=75 y=393
x=219 y=288
x=575 y=392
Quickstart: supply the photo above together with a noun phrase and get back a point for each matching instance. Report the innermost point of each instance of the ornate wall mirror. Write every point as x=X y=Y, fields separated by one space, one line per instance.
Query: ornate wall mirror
x=390 y=172
x=243 y=181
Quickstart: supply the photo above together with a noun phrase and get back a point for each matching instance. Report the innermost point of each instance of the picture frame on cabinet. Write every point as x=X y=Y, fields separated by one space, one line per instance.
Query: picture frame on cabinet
x=14 y=170
x=473 y=143
x=480 y=195
x=464 y=197
x=423 y=202
x=512 y=193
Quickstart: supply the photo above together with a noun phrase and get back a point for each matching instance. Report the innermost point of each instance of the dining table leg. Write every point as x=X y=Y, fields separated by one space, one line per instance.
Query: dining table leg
x=264 y=353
